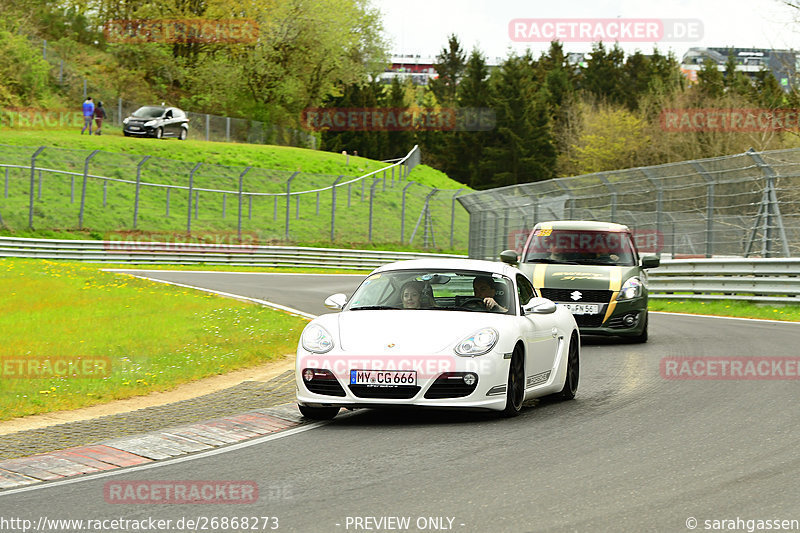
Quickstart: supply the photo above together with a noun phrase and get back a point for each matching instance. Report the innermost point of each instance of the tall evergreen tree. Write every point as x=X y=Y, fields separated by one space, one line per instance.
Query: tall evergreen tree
x=522 y=147
x=449 y=67
x=604 y=75
x=710 y=81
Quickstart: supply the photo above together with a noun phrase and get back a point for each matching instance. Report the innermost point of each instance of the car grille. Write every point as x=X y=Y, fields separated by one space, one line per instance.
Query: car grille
x=450 y=385
x=588 y=296
x=589 y=321
x=324 y=382
x=403 y=392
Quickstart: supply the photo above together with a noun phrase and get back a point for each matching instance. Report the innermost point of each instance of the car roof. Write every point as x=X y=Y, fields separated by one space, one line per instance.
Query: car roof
x=492 y=267
x=582 y=225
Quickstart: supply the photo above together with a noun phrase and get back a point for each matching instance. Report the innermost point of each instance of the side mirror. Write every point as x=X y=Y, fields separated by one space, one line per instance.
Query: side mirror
x=336 y=301
x=650 y=261
x=510 y=257
x=539 y=306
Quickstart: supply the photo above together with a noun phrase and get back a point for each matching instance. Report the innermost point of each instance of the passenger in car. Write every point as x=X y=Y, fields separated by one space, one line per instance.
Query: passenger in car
x=416 y=295
x=485 y=289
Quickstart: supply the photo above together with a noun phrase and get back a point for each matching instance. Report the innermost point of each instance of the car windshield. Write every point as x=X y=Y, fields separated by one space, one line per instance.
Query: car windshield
x=441 y=290
x=581 y=247
x=148 y=112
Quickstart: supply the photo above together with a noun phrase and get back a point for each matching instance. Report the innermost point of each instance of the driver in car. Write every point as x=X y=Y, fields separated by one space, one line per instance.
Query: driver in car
x=484 y=288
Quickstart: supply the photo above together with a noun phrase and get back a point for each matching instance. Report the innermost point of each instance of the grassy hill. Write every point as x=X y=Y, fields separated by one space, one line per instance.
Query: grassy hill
x=109 y=206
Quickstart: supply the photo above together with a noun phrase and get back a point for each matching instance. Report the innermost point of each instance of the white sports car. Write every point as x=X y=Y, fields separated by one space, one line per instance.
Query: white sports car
x=438 y=333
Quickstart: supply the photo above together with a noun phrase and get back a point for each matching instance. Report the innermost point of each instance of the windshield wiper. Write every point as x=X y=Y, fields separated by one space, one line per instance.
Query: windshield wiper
x=372 y=307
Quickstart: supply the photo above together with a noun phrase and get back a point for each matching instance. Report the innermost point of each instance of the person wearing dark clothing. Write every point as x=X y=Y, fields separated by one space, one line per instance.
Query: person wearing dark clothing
x=99 y=115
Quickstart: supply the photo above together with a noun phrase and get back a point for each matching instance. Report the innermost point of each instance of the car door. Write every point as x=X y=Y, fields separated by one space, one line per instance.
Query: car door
x=541 y=337
x=169 y=123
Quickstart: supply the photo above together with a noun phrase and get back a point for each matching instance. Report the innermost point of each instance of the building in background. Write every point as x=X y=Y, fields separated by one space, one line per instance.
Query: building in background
x=420 y=69
x=784 y=64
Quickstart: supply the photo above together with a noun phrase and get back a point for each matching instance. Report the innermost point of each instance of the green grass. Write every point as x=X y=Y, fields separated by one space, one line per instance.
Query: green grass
x=731 y=308
x=156 y=336
x=56 y=213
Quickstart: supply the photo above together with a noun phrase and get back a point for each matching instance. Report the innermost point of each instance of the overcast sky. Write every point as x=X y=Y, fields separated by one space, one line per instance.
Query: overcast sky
x=422 y=26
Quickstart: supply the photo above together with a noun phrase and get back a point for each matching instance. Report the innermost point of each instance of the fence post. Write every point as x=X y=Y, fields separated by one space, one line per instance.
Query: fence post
x=208 y=125
x=119 y=111
x=317 y=213
x=33 y=179
x=371 y=198
x=709 y=207
x=228 y=129
x=453 y=216
x=39 y=193
x=288 y=203
x=771 y=210
x=349 y=188
x=191 y=189
x=241 y=197
x=105 y=192
x=196 y=203
x=136 y=194
x=403 y=212
x=83 y=189
x=333 y=207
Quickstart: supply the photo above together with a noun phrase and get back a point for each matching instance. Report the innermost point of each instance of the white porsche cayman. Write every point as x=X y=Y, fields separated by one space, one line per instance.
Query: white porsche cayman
x=438 y=333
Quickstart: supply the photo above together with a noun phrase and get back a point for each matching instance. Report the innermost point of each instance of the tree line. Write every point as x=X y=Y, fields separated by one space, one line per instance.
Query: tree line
x=555 y=118
x=551 y=117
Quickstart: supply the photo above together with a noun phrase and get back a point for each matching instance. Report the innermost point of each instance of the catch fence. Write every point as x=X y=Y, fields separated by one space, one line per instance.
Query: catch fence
x=744 y=205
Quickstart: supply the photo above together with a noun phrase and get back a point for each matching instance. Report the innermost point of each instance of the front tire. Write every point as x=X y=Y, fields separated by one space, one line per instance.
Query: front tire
x=182 y=135
x=573 y=371
x=159 y=133
x=515 y=388
x=318 y=413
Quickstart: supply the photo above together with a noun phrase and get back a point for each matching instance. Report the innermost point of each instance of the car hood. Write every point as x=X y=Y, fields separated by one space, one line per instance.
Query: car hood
x=406 y=331
x=587 y=277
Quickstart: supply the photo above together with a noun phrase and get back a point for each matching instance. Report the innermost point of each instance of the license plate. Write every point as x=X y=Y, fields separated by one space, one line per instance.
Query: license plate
x=383 y=378
x=582 y=309
x=134 y=127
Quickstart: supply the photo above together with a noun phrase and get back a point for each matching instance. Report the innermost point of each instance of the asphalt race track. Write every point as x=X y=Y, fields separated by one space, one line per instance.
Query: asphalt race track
x=633 y=452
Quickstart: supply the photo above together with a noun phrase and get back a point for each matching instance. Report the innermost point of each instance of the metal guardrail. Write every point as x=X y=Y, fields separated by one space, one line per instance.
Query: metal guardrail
x=731 y=278
x=137 y=252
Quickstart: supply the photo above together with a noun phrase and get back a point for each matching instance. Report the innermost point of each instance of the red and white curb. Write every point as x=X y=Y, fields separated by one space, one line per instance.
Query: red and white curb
x=147 y=448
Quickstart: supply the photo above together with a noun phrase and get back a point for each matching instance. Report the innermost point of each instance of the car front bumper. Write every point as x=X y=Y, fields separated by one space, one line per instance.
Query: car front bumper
x=443 y=388
x=617 y=322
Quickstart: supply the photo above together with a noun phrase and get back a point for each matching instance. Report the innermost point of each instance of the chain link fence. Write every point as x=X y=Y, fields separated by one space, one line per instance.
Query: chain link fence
x=741 y=205
x=56 y=188
x=201 y=125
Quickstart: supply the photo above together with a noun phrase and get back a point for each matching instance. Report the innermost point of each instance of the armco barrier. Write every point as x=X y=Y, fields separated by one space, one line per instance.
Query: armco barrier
x=775 y=280
x=210 y=254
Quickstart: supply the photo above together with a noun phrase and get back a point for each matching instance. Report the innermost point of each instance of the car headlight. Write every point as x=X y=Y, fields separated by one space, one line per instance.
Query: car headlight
x=316 y=339
x=631 y=289
x=479 y=343
x=125 y=120
x=150 y=123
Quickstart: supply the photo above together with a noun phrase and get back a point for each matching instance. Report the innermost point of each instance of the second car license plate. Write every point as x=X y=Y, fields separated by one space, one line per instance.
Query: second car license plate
x=383 y=378
x=582 y=309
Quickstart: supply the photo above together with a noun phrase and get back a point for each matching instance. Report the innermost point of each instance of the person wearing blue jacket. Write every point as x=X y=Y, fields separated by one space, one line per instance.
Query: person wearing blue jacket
x=88 y=114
